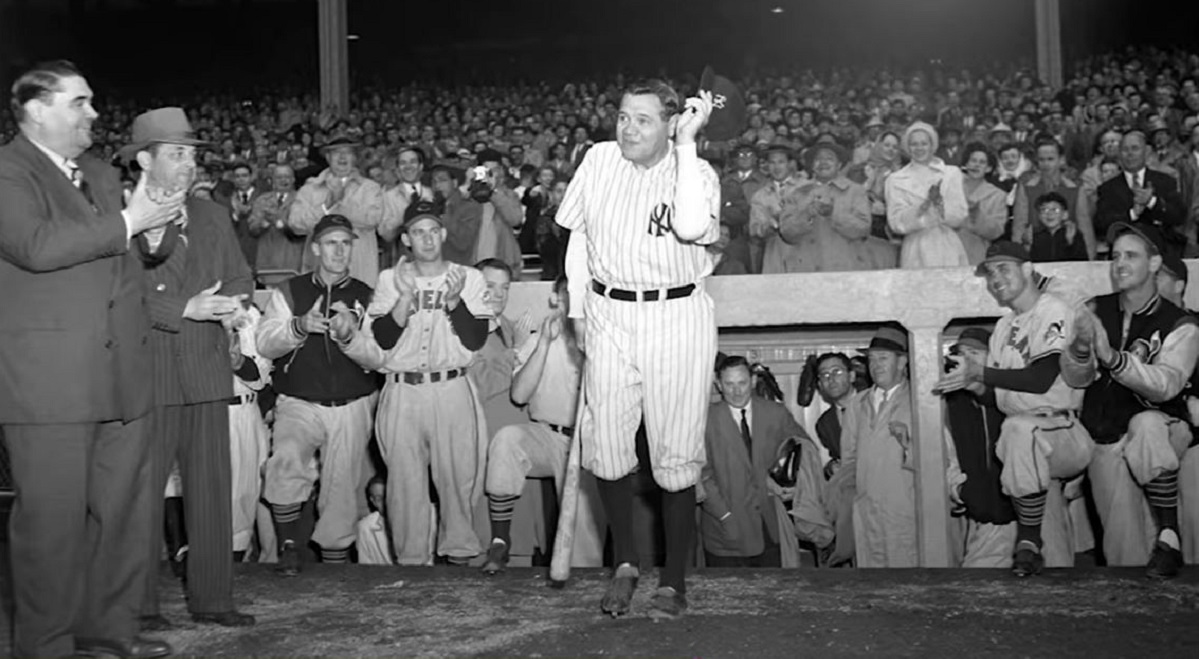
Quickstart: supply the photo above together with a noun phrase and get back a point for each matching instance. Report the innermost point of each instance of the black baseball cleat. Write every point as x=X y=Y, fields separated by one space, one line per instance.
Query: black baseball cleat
x=497 y=557
x=1028 y=561
x=620 y=590
x=289 y=559
x=1164 y=563
x=667 y=604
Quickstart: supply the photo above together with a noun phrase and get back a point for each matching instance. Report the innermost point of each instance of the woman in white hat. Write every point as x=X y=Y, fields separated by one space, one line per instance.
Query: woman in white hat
x=926 y=204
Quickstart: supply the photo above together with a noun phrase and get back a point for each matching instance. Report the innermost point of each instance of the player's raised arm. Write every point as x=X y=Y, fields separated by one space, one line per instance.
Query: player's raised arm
x=695 y=215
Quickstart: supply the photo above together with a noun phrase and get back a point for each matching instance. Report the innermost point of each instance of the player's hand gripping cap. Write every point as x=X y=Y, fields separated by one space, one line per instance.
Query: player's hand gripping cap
x=728 y=107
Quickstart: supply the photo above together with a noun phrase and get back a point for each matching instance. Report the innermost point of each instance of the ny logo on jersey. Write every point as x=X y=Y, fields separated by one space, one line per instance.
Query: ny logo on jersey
x=719 y=100
x=659 y=220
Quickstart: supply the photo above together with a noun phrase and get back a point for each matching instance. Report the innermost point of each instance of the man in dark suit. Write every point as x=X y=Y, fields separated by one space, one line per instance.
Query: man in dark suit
x=75 y=377
x=197 y=279
x=239 y=202
x=744 y=432
x=834 y=380
x=1141 y=194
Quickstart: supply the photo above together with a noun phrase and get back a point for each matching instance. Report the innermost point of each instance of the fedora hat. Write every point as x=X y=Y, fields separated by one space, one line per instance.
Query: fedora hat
x=340 y=140
x=160 y=126
x=888 y=338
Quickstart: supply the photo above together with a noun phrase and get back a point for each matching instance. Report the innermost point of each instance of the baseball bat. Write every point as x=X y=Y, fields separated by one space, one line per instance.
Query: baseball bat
x=564 y=539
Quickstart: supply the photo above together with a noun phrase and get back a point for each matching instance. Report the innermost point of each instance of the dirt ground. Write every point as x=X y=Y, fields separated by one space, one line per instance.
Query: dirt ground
x=365 y=611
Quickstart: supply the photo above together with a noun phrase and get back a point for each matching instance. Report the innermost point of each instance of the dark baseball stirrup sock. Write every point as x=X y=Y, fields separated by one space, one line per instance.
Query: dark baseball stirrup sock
x=335 y=555
x=1030 y=510
x=1162 y=494
x=678 y=517
x=287 y=521
x=617 y=497
x=500 y=508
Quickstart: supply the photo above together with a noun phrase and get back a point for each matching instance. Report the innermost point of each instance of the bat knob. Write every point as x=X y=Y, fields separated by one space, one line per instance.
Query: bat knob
x=557 y=584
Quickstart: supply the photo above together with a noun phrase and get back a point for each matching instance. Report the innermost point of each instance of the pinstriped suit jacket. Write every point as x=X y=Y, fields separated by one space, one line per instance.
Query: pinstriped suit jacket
x=191 y=359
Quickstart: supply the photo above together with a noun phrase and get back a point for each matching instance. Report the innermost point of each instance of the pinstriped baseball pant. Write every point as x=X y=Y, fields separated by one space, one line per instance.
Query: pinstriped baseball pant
x=651 y=361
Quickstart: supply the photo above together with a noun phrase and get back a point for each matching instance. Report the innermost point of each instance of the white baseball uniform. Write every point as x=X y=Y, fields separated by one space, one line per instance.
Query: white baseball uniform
x=425 y=422
x=645 y=359
x=1042 y=442
x=249 y=440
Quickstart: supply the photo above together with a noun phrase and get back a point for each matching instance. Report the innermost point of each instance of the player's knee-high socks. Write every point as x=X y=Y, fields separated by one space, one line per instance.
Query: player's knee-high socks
x=1162 y=493
x=617 y=497
x=678 y=516
x=1030 y=510
x=499 y=509
x=335 y=555
x=287 y=521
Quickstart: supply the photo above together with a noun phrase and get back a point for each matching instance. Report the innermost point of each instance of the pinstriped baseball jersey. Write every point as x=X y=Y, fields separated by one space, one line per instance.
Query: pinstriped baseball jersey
x=428 y=342
x=626 y=213
x=1021 y=339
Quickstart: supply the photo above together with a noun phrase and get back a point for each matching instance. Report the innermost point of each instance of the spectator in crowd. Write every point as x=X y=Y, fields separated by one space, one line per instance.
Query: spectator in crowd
x=975 y=487
x=737 y=187
x=1039 y=445
x=834 y=381
x=1135 y=354
x=1142 y=195
x=744 y=433
x=500 y=213
x=410 y=167
x=884 y=159
x=875 y=485
x=721 y=264
x=187 y=266
x=551 y=237
x=78 y=387
x=373 y=539
x=427 y=319
x=1188 y=178
x=1050 y=177
x=325 y=401
x=950 y=150
x=1107 y=149
x=1055 y=236
x=768 y=204
x=278 y=246
x=926 y=204
x=986 y=205
x=341 y=189
x=240 y=199
x=825 y=225
x=1013 y=167
x=534 y=195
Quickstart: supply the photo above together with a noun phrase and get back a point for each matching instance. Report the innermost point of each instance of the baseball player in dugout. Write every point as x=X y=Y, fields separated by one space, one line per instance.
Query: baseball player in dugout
x=77 y=383
x=1042 y=443
x=326 y=401
x=1136 y=351
x=548 y=374
x=426 y=321
x=196 y=279
x=641 y=210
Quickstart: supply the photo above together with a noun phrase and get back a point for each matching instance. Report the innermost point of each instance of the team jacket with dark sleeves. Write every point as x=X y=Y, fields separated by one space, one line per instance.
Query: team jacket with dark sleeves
x=974 y=426
x=1156 y=359
x=312 y=367
x=191 y=363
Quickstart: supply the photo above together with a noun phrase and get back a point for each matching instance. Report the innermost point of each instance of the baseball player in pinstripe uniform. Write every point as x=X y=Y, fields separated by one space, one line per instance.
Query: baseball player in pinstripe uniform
x=249 y=438
x=642 y=209
x=427 y=319
x=326 y=401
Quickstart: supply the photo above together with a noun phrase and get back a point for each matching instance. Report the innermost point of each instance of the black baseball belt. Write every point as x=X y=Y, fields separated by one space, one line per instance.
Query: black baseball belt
x=242 y=399
x=564 y=430
x=421 y=377
x=642 y=296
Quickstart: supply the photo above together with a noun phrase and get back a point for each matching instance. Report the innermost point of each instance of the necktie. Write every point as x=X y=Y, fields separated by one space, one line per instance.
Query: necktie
x=78 y=181
x=282 y=198
x=745 y=433
x=245 y=197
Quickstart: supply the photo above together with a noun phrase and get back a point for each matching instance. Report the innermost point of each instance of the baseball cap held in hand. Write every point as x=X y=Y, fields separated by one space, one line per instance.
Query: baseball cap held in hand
x=728 y=107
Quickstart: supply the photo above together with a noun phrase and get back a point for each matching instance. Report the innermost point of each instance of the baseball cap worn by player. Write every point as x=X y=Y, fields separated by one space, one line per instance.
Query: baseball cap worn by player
x=1002 y=250
x=419 y=211
x=330 y=223
x=1175 y=267
x=1149 y=233
x=728 y=107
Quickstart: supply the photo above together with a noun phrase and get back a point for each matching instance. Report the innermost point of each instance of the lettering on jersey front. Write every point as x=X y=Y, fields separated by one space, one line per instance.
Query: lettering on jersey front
x=430 y=300
x=660 y=220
